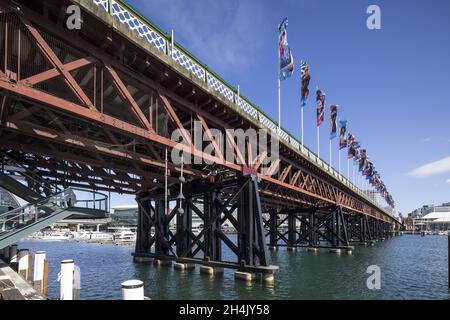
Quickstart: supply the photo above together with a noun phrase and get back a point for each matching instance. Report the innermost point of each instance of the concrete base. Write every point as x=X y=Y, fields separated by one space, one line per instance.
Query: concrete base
x=160 y=263
x=312 y=249
x=247 y=276
x=183 y=266
x=273 y=248
x=211 y=270
x=268 y=278
x=335 y=251
x=292 y=249
x=143 y=259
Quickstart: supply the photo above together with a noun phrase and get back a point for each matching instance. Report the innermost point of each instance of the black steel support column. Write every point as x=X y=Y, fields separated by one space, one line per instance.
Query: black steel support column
x=334 y=228
x=162 y=228
x=291 y=230
x=143 y=235
x=312 y=225
x=184 y=227
x=273 y=216
x=362 y=229
x=209 y=210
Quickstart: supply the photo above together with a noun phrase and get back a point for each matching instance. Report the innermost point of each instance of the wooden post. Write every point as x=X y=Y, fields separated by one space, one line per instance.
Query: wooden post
x=30 y=263
x=45 y=279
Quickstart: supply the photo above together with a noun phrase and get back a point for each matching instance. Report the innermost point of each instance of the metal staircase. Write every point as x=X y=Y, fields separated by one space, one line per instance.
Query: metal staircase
x=42 y=211
x=21 y=222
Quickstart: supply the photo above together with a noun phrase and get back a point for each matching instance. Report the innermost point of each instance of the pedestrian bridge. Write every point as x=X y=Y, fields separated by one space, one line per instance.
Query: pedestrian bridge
x=95 y=107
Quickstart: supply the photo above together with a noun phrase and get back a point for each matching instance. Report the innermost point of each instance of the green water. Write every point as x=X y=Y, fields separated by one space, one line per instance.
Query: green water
x=412 y=267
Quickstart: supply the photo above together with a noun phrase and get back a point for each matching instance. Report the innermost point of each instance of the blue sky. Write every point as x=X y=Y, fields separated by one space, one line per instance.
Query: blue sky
x=392 y=85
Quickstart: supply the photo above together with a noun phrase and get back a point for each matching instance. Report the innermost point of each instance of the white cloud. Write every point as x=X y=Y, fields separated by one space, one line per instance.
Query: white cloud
x=428 y=139
x=433 y=168
x=448 y=181
x=223 y=33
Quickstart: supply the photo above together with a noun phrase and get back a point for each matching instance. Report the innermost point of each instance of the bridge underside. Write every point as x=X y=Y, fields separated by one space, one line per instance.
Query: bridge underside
x=95 y=108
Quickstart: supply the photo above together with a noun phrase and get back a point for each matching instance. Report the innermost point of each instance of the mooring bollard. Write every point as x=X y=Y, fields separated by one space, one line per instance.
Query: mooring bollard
x=45 y=279
x=30 y=267
x=66 y=281
x=23 y=261
x=38 y=274
x=133 y=290
x=76 y=283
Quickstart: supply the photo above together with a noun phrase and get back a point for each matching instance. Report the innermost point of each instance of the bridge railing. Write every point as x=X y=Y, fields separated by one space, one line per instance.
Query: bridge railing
x=163 y=42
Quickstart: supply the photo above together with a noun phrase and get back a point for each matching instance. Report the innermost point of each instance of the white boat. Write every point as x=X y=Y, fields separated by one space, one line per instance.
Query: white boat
x=54 y=236
x=127 y=236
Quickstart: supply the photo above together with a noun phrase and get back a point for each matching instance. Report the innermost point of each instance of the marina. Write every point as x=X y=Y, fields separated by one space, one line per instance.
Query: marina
x=419 y=271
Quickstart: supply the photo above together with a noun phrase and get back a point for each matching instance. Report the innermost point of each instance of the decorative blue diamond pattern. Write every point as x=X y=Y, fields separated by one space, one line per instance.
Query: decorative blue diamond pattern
x=219 y=87
x=138 y=26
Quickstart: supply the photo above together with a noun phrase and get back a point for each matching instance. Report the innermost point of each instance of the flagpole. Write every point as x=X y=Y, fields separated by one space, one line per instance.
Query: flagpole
x=339 y=155
x=302 y=128
x=353 y=170
x=318 y=141
x=279 y=92
x=348 y=169
x=331 y=165
x=279 y=103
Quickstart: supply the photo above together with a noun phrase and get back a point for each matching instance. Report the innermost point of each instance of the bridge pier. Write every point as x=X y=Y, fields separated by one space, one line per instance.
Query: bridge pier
x=241 y=208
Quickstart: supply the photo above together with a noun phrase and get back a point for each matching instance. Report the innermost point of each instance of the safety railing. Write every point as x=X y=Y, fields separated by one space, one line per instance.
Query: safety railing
x=97 y=201
x=163 y=42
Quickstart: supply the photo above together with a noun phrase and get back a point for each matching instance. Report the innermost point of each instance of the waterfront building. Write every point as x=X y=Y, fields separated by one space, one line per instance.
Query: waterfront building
x=433 y=218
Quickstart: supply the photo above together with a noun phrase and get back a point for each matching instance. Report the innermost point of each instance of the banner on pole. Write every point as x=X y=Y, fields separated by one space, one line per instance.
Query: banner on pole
x=286 y=61
x=333 y=121
x=320 y=106
x=305 y=78
x=342 y=131
x=362 y=160
x=350 y=142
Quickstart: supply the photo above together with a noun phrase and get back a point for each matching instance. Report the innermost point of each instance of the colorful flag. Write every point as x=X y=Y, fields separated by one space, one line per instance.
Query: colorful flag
x=320 y=106
x=362 y=160
x=286 y=61
x=333 y=120
x=305 y=77
x=350 y=141
x=342 y=131
x=356 y=147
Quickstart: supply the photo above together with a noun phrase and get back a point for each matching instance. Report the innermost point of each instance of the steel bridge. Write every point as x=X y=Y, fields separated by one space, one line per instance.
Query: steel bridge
x=94 y=108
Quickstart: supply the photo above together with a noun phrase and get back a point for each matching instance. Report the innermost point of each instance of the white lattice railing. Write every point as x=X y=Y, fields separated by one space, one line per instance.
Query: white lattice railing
x=247 y=107
x=162 y=42
x=220 y=87
x=139 y=26
x=187 y=62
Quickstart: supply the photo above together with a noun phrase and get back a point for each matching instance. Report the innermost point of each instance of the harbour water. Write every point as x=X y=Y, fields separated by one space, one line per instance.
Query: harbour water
x=412 y=267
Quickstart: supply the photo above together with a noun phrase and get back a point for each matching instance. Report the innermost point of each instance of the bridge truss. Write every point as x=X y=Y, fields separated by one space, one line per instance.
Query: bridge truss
x=94 y=108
